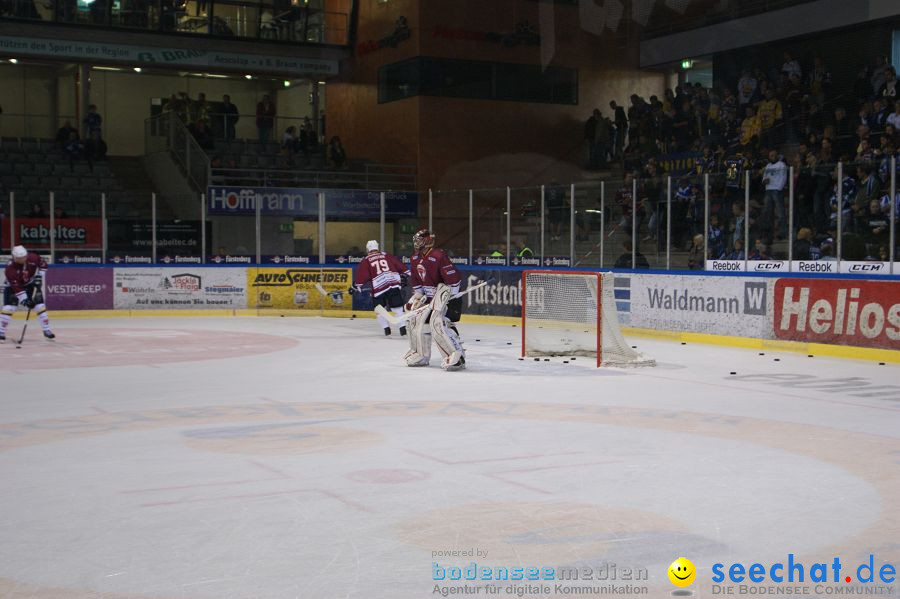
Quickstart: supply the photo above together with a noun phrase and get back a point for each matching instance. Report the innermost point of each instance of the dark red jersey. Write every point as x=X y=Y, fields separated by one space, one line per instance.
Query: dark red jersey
x=380 y=269
x=430 y=268
x=20 y=275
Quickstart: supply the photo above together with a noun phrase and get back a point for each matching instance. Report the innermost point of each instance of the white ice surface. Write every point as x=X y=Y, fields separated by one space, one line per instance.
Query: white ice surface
x=327 y=468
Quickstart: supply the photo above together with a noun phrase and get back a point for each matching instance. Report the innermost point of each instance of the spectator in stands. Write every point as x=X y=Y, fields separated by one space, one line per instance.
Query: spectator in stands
x=95 y=148
x=556 y=209
x=621 y=123
x=761 y=251
x=590 y=133
x=791 y=66
x=336 y=152
x=893 y=119
x=878 y=117
x=874 y=226
x=58 y=212
x=869 y=186
x=201 y=109
x=62 y=136
x=737 y=252
x=889 y=89
x=229 y=116
x=716 y=239
x=819 y=80
x=775 y=175
x=624 y=261
x=746 y=88
x=879 y=74
x=770 y=116
x=307 y=138
x=696 y=259
x=290 y=144
x=92 y=120
x=827 y=250
x=37 y=211
x=73 y=149
x=265 y=118
x=202 y=134
x=750 y=129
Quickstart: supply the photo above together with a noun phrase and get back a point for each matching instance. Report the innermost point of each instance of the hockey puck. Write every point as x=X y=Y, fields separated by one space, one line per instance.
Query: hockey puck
x=809 y=355
x=573 y=359
x=537 y=359
x=732 y=373
x=478 y=340
x=880 y=363
x=634 y=347
x=546 y=359
x=509 y=343
x=778 y=359
x=761 y=353
x=520 y=359
x=565 y=361
x=353 y=316
x=683 y=343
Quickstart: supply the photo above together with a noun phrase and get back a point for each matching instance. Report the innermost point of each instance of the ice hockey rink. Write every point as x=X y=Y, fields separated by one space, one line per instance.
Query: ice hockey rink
x=277 y=458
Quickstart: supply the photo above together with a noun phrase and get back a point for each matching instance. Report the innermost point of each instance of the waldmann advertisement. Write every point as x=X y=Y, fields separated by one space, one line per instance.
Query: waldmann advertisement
x=179 y=287
x=716 y=305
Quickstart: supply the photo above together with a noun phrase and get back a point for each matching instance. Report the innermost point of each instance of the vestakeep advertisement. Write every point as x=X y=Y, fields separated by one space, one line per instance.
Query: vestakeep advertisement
x=295 y=288
x=79 y=288
x=179 y=287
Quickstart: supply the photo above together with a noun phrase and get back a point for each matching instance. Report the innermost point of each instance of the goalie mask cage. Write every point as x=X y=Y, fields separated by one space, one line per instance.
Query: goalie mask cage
x=572 y=313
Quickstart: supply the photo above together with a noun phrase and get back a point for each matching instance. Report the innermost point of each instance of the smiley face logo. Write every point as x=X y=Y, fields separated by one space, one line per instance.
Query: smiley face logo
x=682 y=572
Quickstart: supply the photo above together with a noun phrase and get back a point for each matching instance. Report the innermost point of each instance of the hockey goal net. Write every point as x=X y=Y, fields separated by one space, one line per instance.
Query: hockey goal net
x=567 y=313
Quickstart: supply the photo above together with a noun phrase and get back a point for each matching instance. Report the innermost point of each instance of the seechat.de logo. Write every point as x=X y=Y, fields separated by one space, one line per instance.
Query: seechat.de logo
x=682 y=572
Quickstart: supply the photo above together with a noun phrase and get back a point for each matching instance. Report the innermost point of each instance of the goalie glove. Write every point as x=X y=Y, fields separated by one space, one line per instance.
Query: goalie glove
x=415 y=301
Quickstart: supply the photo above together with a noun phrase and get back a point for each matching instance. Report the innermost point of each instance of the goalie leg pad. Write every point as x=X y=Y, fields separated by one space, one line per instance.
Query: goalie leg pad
x=419 y=353
x=444 y=332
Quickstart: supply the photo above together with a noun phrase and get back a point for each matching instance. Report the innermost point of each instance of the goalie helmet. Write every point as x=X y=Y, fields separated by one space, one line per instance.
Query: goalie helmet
x=423 y=239
x=372 y=246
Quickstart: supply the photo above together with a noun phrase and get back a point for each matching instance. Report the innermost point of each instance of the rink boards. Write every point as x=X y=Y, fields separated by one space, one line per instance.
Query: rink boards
x=844 y=311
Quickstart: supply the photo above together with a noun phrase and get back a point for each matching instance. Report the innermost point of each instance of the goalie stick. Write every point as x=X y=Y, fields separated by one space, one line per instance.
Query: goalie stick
x=397 y=320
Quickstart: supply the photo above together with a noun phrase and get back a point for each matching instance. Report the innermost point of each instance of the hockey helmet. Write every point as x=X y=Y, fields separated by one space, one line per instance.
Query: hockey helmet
x=19 y=253
x=423 y=239
x=372 y=246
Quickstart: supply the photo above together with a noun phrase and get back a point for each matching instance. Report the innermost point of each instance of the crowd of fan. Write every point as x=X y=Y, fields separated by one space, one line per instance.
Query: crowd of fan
x=211 y=121
x=91 y=148
x=767 y=123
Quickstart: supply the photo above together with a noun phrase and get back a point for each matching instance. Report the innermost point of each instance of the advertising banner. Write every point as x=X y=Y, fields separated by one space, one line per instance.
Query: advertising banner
x=804 y=266
x=179 y=287
x=715 y=305
x=501 y=298
x=158 y=56
x=172 y=238
x=304 y=202
x=79 y=288
x=843 y=312
x=69 y=233
x=295 y=288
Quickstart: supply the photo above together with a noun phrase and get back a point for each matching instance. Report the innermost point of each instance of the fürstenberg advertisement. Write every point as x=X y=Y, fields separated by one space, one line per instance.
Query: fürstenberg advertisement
x=716 y=305
x=179 y=287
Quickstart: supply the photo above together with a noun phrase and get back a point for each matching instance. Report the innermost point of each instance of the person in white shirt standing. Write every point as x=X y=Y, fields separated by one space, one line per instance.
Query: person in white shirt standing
x=775 y=176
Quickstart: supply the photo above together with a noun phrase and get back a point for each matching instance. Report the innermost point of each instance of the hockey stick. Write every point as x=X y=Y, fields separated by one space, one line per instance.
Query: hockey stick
x=321 y=290
x=394 y=319
x=25 y=326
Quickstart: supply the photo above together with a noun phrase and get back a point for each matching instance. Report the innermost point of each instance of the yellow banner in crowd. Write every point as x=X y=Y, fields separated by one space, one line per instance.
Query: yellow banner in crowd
x=295 y=288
